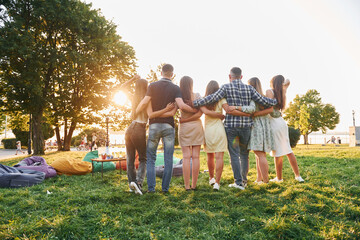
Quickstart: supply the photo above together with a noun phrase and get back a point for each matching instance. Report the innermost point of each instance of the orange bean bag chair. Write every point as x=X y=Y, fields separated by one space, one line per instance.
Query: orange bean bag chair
x=71 y=167
x=124 y=166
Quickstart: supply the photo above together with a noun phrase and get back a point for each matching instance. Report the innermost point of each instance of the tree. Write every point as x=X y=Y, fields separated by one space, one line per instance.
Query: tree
x=308 y=114
x=57 y=56
x=18 y=123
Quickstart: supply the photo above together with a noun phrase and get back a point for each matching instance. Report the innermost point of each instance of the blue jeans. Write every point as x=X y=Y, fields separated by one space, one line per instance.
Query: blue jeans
x=165 y=132
x=238 y=139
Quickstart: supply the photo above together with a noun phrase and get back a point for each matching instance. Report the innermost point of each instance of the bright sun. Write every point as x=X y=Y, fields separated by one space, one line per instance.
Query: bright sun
x=120 y=98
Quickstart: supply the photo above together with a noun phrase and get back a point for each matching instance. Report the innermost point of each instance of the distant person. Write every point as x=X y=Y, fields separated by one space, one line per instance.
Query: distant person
x=191 y=135
x=333 y=139
x=135 y=135
x=160 y=94
x=18 y=148
x=338 y=140
x=93 y=142
x=238 y=128
x=85 y=139
x=280 y=129
x=215 y=136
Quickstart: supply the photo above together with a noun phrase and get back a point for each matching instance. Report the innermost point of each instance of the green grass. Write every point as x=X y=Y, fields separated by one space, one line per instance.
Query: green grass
x=326 y=206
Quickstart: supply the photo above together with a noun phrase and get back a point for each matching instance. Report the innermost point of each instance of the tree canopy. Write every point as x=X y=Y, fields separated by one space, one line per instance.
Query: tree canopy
x=57 y=56
x=308 y=114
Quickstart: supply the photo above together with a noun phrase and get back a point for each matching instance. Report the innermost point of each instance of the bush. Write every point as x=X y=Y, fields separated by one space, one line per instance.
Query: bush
x=22 y=136
x=9 y=143
x=294 y=136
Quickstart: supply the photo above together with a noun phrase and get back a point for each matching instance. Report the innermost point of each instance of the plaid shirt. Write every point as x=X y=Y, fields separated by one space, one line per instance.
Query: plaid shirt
x=236 y=94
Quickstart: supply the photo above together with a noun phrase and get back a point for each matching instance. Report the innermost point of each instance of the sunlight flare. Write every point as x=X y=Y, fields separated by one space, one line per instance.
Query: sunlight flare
x=120 y=98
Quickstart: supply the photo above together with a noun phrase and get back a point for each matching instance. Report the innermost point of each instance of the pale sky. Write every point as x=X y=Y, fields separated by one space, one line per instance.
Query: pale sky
x=314 y=43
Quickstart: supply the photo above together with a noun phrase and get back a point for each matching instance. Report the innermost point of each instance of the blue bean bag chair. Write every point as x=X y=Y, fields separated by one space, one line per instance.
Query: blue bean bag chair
x=38 y=164
x=11 y=177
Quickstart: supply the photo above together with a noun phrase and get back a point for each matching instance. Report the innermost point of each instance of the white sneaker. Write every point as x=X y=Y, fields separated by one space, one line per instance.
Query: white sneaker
x=135 y=187
x=299 y=179
x=212 y=181
x=130 y=190
x=276 y=180
x=216 y=186
x=259 y=182
x=234 y=185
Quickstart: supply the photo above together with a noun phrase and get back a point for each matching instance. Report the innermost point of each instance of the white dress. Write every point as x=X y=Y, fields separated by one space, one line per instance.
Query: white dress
x=280 y=132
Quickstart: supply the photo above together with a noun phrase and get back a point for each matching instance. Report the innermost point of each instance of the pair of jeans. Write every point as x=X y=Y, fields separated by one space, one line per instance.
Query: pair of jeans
x=135 y=140
x=238 y=139
x=166 y=133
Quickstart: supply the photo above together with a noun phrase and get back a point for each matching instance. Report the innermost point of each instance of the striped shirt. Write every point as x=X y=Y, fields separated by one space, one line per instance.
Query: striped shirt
x=236 y=94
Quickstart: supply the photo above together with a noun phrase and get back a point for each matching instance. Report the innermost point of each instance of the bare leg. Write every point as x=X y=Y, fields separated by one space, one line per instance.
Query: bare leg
x=278 y=167
x=258 y=177
x=211 y=164
x=186 y=166
x=293 y=163
x=195 y=165
x=219 y=165
x=263 y=165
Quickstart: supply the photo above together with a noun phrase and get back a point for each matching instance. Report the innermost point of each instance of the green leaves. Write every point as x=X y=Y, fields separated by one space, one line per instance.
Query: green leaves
x=57 y=56
x=308 y=114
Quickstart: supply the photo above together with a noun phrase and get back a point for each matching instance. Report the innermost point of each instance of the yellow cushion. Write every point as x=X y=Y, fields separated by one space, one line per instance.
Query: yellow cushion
x=71 y=167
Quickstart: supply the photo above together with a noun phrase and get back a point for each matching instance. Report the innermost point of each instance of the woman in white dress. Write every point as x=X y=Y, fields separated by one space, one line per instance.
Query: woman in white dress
x=280 y=129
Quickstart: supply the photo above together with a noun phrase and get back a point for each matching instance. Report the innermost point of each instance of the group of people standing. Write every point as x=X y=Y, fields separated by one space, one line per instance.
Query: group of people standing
x=252 y=122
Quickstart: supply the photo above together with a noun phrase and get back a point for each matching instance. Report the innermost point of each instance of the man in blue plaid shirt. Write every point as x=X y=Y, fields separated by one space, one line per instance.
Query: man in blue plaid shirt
x=238 y=128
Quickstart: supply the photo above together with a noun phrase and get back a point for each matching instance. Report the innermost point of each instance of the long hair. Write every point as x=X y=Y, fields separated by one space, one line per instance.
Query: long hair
x=212 y=87
x=276 y=84
x=186 y=88
x=141 y=86
x=255 y=82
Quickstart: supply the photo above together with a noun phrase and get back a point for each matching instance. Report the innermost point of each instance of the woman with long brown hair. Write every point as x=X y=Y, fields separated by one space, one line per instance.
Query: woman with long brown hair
x=191 y=135
x=261 y=139
x=135 y=135
x=280 y=129
x=215 y=136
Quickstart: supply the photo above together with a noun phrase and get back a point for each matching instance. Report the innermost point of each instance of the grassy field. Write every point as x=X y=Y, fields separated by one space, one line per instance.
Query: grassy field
x=326 y=206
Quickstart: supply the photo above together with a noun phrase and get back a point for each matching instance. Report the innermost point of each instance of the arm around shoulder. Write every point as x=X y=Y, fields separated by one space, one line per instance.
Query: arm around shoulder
x=144 y=102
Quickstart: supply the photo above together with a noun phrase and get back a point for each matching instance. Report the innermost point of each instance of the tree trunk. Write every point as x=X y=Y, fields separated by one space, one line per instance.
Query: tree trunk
x=38 y=137
x=58 y=138
x=65 y=132
x=67 y=140
x=306 y=139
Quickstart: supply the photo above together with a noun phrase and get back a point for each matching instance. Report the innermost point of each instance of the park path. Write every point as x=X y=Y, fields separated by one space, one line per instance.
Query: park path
x=10 y=153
